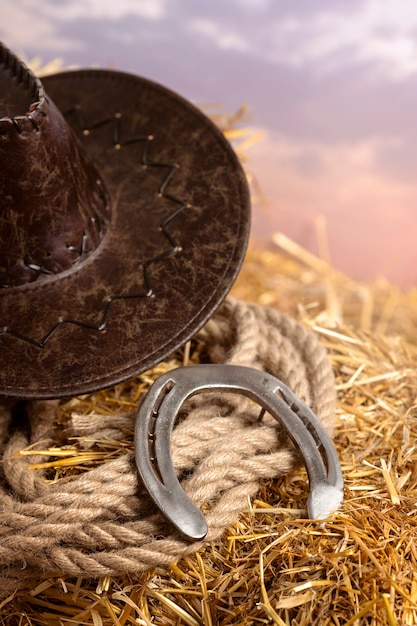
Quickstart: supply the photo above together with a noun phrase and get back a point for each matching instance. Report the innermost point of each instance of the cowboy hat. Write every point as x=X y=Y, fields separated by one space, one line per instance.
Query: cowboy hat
x=124 y=218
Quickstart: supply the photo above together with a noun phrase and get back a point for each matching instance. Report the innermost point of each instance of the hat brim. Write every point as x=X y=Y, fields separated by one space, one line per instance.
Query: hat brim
x=180 y=212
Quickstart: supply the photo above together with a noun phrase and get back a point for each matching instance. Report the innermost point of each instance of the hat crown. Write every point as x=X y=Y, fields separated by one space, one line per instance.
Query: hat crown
x=53 y=207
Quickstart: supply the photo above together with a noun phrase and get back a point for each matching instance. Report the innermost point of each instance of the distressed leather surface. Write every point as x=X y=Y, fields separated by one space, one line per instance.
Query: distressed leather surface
x=178 y=206
x=53 y=208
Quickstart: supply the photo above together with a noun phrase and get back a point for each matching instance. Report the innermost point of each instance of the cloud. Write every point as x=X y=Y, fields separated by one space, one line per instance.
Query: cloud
x=43 y=25
x=108 y=9
x=333 y=37
x=303 y=179
x=381 y=33
x=321 y=38
x=219 y=34
x=34 y=30
x=334 y=163
x=253 y=5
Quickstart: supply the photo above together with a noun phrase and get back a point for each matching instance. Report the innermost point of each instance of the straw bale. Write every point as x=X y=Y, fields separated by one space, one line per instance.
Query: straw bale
x=273 y=565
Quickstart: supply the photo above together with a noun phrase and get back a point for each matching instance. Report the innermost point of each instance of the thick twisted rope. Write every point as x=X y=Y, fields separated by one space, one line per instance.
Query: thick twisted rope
x=102 y=522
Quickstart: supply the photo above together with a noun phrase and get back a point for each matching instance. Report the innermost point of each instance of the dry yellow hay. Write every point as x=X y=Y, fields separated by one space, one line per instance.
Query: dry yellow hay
x=274 y=566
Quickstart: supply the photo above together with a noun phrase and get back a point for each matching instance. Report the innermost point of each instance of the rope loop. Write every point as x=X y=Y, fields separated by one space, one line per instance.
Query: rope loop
x=102 y=522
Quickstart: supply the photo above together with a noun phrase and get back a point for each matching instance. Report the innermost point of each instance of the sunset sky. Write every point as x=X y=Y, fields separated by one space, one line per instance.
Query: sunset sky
x=333 y=83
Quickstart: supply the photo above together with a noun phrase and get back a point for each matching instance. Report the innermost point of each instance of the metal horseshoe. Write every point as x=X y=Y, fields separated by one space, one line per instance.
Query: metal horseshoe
x=159 y=409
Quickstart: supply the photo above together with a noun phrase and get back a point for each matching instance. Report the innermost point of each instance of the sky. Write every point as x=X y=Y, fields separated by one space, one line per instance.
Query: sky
x=331 y=83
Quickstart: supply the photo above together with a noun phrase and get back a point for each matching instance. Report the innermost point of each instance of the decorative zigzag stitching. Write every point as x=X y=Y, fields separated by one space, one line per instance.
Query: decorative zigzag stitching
x=175 y=246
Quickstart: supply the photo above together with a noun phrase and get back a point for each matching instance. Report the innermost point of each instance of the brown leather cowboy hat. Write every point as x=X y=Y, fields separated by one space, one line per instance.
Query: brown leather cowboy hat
x=124 y=217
